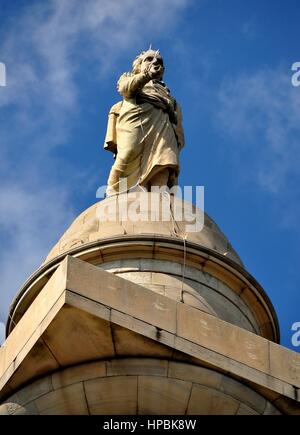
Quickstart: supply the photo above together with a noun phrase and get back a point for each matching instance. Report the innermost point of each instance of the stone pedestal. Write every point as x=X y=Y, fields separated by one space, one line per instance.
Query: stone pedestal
x=145 y=316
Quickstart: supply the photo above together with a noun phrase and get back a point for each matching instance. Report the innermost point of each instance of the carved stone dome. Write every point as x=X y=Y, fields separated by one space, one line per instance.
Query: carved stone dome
x=164 y=244
x=88 y=227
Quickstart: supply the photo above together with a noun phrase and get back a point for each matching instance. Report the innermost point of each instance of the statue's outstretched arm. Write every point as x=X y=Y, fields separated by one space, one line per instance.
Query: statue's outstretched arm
x=128 y=84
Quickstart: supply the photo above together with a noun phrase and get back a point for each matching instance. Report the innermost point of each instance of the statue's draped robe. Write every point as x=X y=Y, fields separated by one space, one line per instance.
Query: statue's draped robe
x=149 y=133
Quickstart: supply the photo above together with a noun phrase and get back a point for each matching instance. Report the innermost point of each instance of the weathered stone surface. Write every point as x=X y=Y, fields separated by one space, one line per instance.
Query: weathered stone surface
x=78 y=373
x=110 y=396
x=35 y=314
x=246 y=410
x=36 y=389
x=163 y=396
x=199 y=290
x=217 y=334
x=66 y=401
x=220 y=299
x=10 y=408
x=203 y=338
x=243 y=393
x=149 y=367
x=38 y=361
x=119 y=294
x=206 y=401
x=83 y=226
x=200 y=375
x=285 y=365
x=144 y=340
x=136 y=386
x=71 y=322
x=271 y=410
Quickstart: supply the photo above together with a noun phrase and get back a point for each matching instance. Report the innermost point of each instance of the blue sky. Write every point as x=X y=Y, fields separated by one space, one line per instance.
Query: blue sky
x=228 y=62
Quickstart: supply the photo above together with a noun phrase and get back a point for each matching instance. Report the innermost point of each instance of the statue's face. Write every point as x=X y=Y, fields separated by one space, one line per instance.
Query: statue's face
x=152 y=60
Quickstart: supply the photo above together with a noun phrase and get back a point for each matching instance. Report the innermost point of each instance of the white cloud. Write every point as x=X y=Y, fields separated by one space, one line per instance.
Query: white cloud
x=52 y=49
x=48 y=47
x=30 y=223
x=2 y=333
x=261 y=112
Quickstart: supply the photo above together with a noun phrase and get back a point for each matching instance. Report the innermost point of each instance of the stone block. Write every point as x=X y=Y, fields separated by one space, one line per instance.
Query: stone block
x=173 y=293
x=246 y=410
x=107 y=230
x=119 y=293
x=34 y=390
x=73 y=242
x=90 y=225
x=166 y=280
x=116 y=395
x=160 y=289
x=258 y=310
x=76 y=374
x=225 y=276
x=215 y=334
x=192 y=298
x=142 y=278
x=168 y=267
x=110 y=265
x=162 y=396
x=285 y=364
x=85 y=304
x=65 y=401
x=243 y=393
x=191 y=373
x=152 y=228
x=271 y=410
x=149 y=367
x=77 y=336
x=129 y=343
x=33 y=317
x=207 y=401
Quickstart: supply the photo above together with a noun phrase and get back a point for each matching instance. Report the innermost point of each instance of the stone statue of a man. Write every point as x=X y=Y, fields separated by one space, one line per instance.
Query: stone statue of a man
x=145 y=129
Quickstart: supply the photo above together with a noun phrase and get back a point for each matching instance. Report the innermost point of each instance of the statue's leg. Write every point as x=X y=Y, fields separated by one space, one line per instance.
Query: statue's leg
x=160 y=179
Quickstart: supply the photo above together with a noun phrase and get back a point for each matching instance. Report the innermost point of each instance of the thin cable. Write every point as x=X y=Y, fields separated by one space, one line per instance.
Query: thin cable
x=179 y=233
x=183 y=267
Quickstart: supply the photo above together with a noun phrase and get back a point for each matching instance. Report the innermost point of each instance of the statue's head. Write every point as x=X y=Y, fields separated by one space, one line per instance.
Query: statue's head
x=147 y=58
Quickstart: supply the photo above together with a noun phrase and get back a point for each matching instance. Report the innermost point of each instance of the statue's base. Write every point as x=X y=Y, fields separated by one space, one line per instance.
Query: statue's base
x=139 y=288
